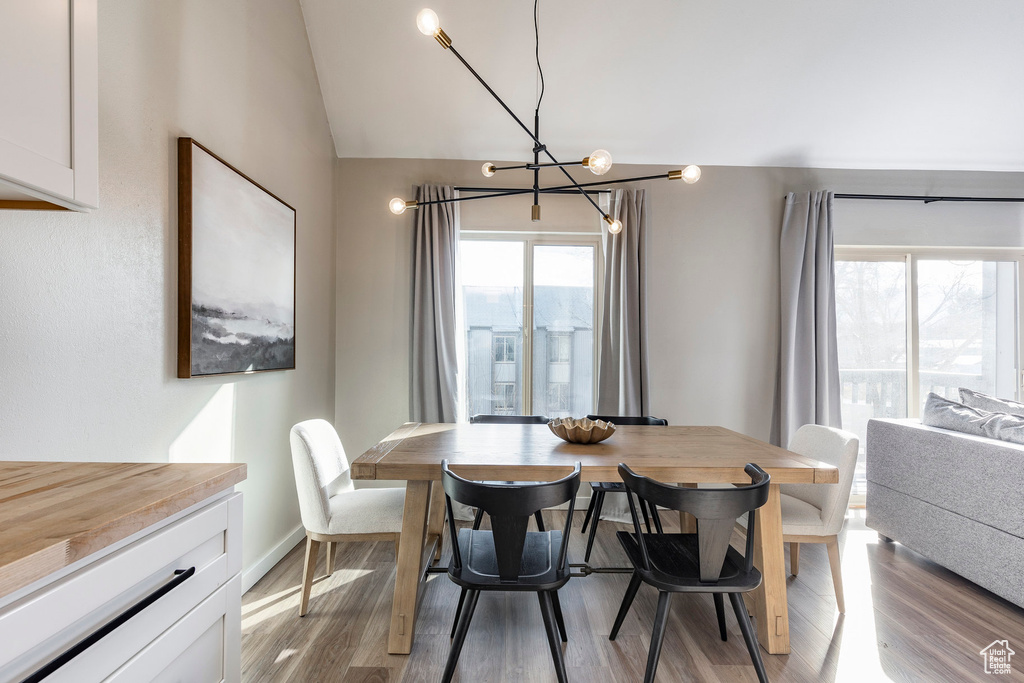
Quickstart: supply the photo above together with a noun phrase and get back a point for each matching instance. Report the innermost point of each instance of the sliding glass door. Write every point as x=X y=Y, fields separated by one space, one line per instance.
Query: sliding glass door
x=927 y=320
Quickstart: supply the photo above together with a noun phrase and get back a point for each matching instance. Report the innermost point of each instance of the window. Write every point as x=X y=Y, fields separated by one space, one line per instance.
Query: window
x=529 y=317
x=558 y=347
x=504 y=349
x=931 y=320
x=504 y=398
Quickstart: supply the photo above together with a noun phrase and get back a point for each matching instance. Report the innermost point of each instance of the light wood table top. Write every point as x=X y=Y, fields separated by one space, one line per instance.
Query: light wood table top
x=53 y=514
x=688 y=455
x=529 y=452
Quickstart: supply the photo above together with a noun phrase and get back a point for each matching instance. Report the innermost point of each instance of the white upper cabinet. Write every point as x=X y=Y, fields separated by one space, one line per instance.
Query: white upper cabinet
x=48 y=104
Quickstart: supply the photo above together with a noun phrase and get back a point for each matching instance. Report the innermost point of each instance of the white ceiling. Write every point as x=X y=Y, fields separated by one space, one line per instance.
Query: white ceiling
x=914 y=84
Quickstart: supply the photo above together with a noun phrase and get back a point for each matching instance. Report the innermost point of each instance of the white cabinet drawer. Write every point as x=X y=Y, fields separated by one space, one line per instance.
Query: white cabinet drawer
x=200 y=648
x=42 y=625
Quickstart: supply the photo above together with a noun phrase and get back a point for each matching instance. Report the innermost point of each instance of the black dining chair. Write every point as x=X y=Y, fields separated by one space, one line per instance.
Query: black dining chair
x=598 y=489
x=508 y=557
x=507 y=420
x=703 y=562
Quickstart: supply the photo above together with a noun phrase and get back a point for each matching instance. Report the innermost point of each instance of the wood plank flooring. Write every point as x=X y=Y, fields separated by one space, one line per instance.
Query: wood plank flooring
x=907 y=620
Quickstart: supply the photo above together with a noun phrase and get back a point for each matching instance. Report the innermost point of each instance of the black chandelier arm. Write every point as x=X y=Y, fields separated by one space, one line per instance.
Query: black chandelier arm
x=494 y=95
x=578 y=186
x=535 y=166
x=540 y=146
x=512 y=168
x=557 y=189
x=506 y=193
x=637 y=179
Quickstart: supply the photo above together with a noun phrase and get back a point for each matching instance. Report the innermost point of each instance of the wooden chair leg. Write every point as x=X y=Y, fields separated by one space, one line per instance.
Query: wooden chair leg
x=308 y=568
x=558 y=616
x=460 y=636
x=720 y=613
x=478 y=518
x=627 y=601
x=590 y=511
x=593 y=526
x=749 y=637
x=547 y=610
x=794 y=558
x=832 y=545
x=658 y=636
x=332 y=551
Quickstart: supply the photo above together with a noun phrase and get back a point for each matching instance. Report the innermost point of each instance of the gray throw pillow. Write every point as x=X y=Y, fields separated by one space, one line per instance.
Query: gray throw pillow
x=991 y=404
x=946 y=414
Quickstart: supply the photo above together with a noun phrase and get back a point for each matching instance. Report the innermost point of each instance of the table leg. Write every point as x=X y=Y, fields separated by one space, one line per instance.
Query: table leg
x=770 y=606
x=407 y=579
x=687 y=522
x=435 y=522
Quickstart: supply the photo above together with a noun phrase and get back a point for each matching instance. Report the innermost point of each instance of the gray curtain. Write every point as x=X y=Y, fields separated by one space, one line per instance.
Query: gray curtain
x=434 y=358
x=622 y=387
x=807 y=389
x=622 y=372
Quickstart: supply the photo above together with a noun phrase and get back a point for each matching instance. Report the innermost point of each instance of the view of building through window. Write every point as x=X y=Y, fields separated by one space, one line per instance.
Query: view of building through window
x=509 y=286
x=965 y=335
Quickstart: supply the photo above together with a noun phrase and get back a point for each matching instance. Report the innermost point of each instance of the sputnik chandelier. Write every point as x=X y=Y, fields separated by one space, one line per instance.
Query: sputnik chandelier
x=599 y=162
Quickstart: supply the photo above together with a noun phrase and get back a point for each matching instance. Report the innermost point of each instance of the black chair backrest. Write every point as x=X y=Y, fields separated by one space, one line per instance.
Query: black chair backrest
x=508 y=419
x=626 y=420
x=716 y=511
x=510 y=507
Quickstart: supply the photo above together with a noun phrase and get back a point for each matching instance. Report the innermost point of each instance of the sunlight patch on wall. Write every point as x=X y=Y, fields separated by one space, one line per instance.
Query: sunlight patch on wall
x=210 y=436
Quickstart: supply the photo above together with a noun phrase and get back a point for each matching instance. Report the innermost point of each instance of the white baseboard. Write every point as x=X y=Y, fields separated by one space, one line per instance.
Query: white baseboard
x=256 y=572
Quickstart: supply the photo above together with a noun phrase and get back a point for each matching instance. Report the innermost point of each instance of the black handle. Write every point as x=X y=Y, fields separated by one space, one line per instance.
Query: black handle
x=180 y=576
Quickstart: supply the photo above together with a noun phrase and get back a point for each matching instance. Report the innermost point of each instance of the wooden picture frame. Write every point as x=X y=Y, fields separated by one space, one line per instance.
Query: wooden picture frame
x=236 y=270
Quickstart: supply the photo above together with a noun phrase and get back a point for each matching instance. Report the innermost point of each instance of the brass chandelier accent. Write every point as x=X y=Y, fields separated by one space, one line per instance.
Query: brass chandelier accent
x=598 y=162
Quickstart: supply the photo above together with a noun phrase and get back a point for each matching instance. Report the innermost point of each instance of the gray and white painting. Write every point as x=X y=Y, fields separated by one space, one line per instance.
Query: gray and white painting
x=243 y=273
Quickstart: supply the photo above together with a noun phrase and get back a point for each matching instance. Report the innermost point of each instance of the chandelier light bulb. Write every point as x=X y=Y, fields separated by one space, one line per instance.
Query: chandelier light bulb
x=487 y=169
x=691 y=174
x=599 y=162
x=427 y=22
x=614 y=227
x=397 y=206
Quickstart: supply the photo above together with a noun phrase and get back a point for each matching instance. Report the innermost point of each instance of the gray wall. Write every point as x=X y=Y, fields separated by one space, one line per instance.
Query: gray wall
x=87 y=301
x=713 y=274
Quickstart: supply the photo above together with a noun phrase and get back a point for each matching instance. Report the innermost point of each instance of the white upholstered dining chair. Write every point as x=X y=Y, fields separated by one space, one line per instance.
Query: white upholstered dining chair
x=814 y=513
x=332 y=509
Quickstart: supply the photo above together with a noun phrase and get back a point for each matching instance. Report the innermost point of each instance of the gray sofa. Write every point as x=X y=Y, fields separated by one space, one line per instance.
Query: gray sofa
x=955 y=498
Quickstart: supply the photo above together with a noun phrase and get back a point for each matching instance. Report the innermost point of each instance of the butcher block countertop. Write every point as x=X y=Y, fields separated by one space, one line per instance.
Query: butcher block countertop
x=53 y=514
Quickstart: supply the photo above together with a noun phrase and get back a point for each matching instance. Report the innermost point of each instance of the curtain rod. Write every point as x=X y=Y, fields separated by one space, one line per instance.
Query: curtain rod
x=927 y=200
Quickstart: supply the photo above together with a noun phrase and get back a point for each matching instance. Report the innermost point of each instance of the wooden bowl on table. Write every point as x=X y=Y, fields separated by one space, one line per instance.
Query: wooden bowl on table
x=581 y=430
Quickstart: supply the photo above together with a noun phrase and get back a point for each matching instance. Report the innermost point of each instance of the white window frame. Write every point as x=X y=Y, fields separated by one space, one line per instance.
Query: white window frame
x=910 y=256
x=556 y=239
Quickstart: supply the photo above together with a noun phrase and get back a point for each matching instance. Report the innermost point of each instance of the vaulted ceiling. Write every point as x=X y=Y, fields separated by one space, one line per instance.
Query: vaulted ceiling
x=914 y=84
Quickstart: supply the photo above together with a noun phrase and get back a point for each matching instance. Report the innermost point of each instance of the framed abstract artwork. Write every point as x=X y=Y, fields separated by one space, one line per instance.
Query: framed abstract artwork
x=236 y=270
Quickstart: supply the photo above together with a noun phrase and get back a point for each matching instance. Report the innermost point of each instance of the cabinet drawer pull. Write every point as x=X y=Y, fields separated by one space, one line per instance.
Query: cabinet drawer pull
x=180 y=576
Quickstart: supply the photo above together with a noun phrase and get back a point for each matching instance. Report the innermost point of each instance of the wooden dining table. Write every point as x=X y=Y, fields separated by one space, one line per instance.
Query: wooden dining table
x=687 y=455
